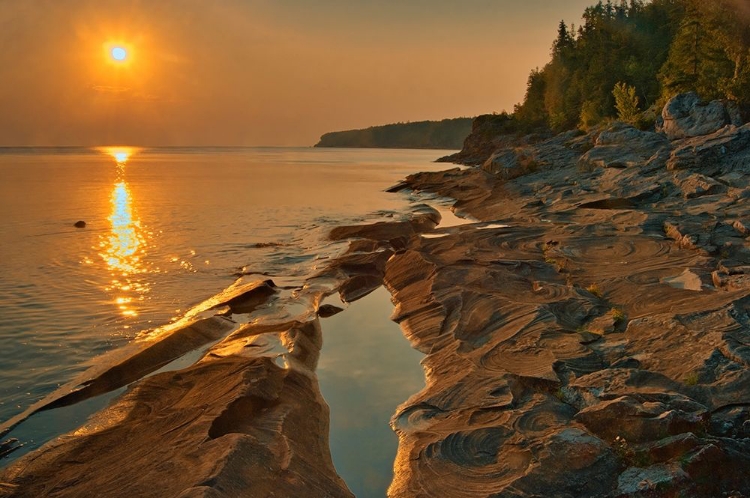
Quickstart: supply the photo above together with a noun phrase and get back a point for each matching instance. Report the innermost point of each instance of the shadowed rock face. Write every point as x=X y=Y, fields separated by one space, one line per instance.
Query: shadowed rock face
x=598 y=346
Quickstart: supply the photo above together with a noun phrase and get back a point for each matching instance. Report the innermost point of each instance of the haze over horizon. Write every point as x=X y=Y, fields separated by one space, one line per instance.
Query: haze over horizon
x=260 y=72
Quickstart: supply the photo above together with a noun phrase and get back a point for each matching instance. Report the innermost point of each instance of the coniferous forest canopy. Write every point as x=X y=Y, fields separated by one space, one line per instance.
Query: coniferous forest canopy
x=624 y=61
x=631 y=56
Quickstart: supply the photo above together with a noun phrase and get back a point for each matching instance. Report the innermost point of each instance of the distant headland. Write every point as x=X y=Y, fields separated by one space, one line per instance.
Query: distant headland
x=445 y=134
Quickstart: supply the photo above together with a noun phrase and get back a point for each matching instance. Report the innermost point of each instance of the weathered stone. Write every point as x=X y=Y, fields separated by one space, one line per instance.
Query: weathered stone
x=510 y=163
x=657 y=480
x=686 y=116
x=696 y=185
x=716 y=154
x=623 y=146
x=328 y=310
x=226 y=426
x=637 y=422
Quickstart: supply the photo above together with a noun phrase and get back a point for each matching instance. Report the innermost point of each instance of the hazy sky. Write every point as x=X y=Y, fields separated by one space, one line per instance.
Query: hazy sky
x=260 y=72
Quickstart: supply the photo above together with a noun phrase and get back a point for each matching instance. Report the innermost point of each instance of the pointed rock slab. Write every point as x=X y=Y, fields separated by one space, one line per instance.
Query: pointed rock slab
x=228 y=426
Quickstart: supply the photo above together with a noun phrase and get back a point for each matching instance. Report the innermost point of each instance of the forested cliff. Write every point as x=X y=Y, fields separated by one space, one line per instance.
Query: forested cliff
x=628 y=57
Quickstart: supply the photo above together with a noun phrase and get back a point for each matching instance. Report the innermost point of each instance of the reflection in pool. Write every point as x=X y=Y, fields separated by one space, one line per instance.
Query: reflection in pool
x=367 y=368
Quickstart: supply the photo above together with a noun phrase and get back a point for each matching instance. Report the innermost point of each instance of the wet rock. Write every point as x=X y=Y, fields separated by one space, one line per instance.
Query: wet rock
x=9 y=446
x=358 y=287
x=80 y=224
x=686 y=116
x=328 y=310
x=247 y=298
x=222 y=427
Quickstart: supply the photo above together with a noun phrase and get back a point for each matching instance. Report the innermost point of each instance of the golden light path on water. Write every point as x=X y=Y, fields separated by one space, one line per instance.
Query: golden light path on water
x=124 y=247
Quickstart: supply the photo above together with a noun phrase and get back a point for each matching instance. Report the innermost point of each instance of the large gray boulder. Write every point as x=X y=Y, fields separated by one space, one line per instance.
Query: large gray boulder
x=623 y=146
x=510 y=163
x=686 y=116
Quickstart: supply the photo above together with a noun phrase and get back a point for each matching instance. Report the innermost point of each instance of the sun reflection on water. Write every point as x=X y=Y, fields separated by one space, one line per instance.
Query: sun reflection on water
x=124 y=246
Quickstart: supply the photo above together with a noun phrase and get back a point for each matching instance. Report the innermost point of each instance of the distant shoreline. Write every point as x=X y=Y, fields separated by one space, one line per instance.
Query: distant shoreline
x=445 y=134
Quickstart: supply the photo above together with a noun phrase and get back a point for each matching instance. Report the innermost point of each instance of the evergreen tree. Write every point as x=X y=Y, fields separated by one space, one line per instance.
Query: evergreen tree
x=626 y=102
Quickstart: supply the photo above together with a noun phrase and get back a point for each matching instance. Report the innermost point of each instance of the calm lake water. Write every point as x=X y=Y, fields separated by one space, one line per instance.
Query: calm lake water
x=168 y=228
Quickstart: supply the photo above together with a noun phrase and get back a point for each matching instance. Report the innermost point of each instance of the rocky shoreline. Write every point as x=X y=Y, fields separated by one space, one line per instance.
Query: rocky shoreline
x=588 y=336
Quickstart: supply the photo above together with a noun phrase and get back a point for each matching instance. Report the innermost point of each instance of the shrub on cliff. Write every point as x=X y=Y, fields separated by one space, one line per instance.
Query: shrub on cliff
x=626 y=102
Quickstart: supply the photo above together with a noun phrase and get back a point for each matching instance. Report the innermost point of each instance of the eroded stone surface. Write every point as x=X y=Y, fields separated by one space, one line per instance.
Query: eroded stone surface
x=615 y=306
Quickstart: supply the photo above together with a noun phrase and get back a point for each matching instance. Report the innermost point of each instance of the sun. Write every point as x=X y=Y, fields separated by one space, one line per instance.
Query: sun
x=119 y=54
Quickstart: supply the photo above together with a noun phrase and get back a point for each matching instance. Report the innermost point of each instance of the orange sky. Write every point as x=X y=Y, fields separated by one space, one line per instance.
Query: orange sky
x=260 y=72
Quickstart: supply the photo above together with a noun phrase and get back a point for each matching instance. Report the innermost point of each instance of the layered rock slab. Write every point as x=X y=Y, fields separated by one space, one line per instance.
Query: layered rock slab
x=237 y=423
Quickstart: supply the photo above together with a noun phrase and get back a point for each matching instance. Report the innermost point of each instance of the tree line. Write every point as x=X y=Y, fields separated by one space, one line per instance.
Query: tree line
x=631 y=56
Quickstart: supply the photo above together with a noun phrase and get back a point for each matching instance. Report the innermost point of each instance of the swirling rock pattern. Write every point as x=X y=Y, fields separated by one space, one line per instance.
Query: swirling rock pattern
x=607 y=364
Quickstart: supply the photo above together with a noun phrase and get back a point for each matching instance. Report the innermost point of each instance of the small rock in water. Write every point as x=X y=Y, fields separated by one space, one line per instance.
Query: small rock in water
x=328 y=310
x=80 y=224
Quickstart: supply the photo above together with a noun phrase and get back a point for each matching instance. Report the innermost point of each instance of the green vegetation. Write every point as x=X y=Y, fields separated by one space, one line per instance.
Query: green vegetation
x=626 y=103
x=618 y=316
x=630 y=53
x=445 y=134
x=595 y=290
x=691 y=379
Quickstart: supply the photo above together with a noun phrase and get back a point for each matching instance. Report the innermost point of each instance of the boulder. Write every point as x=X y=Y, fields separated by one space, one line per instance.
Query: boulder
x=80 y=224
x=686 y=116
x=695 y=185
x=656 y=480
x=510 y=163
x=639 y=422
x=623 y=146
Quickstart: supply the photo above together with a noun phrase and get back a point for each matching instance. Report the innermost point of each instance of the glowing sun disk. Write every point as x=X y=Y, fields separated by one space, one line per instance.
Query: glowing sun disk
x=119 y=54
